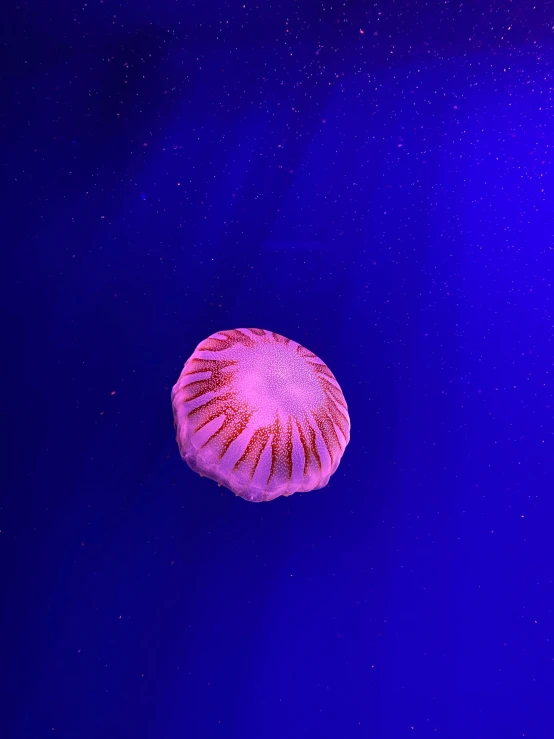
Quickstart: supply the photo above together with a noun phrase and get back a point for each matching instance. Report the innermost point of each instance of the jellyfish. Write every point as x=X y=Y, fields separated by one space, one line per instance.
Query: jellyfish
x=259 y=414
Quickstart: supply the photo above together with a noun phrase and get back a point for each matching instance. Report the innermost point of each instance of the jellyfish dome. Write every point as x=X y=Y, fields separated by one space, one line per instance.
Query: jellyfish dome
x=259 y=414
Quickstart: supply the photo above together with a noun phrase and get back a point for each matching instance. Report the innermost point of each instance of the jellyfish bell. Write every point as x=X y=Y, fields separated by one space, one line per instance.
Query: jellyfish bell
x=259 y=414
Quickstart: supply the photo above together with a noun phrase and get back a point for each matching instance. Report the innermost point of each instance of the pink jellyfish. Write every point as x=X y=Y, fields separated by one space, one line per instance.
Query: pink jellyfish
x=259 y=414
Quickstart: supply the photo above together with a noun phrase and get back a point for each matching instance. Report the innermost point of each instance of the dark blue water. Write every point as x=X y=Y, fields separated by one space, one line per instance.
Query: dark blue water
x=372 y=181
